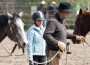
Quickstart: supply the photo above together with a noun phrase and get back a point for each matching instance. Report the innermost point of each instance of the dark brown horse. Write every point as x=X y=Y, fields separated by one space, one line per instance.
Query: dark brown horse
x=13 y=27
x=82 y=23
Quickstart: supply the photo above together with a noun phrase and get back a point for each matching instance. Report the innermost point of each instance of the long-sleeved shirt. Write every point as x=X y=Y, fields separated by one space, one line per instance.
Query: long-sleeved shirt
x=56 y=31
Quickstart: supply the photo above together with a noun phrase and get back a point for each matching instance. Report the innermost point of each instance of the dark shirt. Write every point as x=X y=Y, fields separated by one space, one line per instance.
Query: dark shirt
x=51 y=10
x=42 y=9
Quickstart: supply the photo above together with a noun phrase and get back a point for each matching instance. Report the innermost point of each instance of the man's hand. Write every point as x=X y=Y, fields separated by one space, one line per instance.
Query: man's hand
x=62 y=46
x=80 y=38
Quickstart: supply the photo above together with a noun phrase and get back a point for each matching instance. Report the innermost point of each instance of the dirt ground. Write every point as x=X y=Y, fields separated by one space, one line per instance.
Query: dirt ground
x=80 y=54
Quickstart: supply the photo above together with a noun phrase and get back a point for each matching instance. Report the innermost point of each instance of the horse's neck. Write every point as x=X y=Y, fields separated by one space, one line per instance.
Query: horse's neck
x=3 y=33
x=3 y=23
x=11 y=36
x=2 y=37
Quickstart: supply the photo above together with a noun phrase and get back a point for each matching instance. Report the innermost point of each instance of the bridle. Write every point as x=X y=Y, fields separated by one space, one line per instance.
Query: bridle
x=14 y=31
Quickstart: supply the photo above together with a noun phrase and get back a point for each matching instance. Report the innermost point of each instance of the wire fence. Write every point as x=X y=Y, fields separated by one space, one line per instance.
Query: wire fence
x=28 y=9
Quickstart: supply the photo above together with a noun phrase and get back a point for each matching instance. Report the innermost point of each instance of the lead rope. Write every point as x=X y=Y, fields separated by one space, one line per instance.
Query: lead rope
x=46 y=61
x=84 y=57
x=35 y=61
x=84 y=41
x=2 y=44
x=5 y=49
x=84 y=54
x=61 y=56
x=87 y=43
x=85 y=50
x=52 y=57
x=66 y=59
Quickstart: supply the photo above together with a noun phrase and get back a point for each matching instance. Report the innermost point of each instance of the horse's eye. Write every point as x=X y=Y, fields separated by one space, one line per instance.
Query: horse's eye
x=14 y=26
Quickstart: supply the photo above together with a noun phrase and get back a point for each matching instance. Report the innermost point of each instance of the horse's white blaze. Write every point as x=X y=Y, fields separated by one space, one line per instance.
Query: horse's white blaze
x=20 y=25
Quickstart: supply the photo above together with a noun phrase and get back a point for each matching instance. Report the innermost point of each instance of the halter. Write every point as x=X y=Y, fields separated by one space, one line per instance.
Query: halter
x=4 y=33
x=13 y=31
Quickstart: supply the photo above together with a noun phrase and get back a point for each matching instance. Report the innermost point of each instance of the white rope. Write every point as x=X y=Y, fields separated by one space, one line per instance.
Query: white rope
x=46 y=61
x=66 y=59
x=5 y=49
x=84 y=54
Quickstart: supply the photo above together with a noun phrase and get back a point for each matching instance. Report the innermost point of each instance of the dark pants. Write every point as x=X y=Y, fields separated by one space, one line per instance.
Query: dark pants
x=38 y=59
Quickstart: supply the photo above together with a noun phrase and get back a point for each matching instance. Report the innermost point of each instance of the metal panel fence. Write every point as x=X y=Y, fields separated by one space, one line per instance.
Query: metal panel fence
x=28 y=9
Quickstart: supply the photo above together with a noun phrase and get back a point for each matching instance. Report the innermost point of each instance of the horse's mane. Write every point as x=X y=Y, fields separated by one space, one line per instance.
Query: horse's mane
x=3 y=22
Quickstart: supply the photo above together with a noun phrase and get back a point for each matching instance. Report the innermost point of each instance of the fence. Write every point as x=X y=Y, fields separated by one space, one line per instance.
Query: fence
x=28 y=9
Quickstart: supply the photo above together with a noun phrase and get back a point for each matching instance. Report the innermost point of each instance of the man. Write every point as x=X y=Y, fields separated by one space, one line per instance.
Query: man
x=55 y=33
x=52 y=9
x=42 y=7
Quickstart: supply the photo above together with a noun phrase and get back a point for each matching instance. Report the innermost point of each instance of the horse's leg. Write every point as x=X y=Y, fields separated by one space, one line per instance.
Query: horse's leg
x=23 y=50
x=14 y=48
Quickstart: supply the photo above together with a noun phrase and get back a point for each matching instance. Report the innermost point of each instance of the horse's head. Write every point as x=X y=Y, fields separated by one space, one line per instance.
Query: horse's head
x=82 y=23
x=16 y=29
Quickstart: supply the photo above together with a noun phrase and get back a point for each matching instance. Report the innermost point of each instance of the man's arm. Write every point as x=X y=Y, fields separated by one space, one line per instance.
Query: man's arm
x=71 y=36
x=75 y=38
x=48 y=36
x=50 y=28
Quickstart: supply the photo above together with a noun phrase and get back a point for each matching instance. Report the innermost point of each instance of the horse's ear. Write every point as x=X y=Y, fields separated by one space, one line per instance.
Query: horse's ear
x=80 y=11
x=8 y=14
x=20 y=14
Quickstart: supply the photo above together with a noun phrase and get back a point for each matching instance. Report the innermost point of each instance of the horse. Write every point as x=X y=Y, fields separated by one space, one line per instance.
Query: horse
x=12 y=26
x=82 y=23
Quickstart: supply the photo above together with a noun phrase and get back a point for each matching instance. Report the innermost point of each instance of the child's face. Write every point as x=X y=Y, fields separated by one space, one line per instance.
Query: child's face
x=39 y=22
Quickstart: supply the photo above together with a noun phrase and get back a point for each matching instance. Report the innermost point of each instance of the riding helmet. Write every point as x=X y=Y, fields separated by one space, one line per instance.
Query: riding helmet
x=38 y=15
